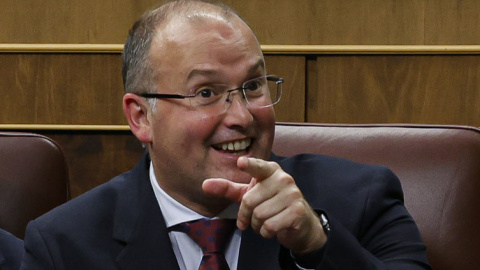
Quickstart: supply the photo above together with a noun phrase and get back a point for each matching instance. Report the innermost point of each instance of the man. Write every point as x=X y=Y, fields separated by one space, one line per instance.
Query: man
x=197 y=96
x=11 y=251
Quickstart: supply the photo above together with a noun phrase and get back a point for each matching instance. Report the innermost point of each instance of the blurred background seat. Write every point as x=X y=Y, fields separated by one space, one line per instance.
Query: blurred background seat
x=438 y=166
x=33 y=179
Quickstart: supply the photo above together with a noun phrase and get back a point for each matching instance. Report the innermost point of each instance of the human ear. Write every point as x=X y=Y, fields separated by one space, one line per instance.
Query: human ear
x=136 y=111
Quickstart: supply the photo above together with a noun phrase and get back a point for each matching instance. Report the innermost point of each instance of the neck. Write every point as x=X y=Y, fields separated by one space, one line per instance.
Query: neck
x=205 y=205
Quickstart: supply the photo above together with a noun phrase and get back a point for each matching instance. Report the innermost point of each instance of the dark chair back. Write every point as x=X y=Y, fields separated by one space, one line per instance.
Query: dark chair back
x=438 y=166
x=33 y=179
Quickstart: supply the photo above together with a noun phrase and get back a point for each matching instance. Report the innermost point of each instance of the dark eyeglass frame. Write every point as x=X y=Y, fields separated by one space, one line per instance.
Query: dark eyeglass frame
x=278 y=80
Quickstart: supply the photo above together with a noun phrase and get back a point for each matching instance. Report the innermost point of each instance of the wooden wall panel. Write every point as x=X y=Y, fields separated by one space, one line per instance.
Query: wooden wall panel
x=61 y=89
x=292 y=68
x=87 y=89
x=438 y=89
x=320 y=22
x=335 y=21
x=69 y=21
x=452 y=22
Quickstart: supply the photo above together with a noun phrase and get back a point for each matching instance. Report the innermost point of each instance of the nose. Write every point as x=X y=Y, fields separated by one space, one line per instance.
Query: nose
x=236 y=112
x=229 y=94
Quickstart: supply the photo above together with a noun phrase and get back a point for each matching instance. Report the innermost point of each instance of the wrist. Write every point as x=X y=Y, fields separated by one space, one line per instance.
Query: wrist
x=318 y=235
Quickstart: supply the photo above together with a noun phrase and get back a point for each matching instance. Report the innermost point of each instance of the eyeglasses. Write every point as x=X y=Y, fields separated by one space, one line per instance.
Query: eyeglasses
x=260 y=92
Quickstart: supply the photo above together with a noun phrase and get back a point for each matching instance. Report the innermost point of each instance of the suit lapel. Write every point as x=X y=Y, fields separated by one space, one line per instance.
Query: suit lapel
x=139 y=225
x=149 y=247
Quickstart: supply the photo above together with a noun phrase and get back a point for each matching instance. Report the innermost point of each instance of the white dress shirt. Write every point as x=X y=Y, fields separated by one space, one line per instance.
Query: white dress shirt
x=187 y=252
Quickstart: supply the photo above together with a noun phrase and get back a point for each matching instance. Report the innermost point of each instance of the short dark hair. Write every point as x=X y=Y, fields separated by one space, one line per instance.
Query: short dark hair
x=137 y=70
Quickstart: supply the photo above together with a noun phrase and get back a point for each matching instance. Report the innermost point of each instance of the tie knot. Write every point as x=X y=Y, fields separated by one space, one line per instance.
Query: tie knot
x=211 y=235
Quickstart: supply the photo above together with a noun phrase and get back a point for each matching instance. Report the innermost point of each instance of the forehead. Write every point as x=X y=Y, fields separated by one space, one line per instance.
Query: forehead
x=208 y=41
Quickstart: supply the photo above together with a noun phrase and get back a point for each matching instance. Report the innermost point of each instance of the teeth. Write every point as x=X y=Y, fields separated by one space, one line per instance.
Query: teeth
x=236 y=146
x=242 y=145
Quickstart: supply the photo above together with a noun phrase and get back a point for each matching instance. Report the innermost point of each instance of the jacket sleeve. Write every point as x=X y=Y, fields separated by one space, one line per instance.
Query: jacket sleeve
x=387 y=236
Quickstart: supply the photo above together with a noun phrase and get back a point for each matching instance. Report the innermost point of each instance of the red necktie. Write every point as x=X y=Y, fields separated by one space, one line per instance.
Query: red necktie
x=212 y=236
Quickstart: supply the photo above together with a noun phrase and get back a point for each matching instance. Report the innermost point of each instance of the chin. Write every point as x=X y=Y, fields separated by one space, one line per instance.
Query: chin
x=240 y=177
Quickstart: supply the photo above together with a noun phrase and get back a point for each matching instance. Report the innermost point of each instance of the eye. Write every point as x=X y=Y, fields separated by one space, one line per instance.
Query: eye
x=205 y=93
x=253 y=85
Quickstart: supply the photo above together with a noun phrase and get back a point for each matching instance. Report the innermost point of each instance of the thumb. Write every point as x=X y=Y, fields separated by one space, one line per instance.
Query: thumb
x=224 y=188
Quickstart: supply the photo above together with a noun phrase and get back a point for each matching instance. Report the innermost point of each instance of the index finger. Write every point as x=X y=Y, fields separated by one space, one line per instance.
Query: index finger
x=257 y=168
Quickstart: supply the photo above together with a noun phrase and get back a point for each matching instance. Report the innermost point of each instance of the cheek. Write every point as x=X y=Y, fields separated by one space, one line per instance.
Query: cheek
x=265 y=118
x=265 y=121
x=199 y=127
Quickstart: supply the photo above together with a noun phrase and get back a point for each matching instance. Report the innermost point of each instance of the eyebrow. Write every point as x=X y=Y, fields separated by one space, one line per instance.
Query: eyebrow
x=253 y=68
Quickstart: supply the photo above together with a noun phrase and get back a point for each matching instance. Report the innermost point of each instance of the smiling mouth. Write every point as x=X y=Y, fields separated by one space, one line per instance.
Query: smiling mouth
x=239 y=147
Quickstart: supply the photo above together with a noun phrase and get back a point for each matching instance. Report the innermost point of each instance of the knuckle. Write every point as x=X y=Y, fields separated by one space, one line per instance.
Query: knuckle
x=269 y=227
x=285 y=179
x=259 y=213
x=299 y=208
x=274 y=165
x=248 y=202
x=293 y=194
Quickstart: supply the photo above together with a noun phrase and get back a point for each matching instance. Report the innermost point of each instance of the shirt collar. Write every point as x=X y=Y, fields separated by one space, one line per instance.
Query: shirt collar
x=175 y=213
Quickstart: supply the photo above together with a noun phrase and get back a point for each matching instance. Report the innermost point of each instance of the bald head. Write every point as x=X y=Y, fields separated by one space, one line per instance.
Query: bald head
x=163 y=22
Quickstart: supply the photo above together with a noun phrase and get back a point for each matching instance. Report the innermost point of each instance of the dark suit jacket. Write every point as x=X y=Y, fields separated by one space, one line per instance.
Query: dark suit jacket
x=119 y=224
x=11 y=251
